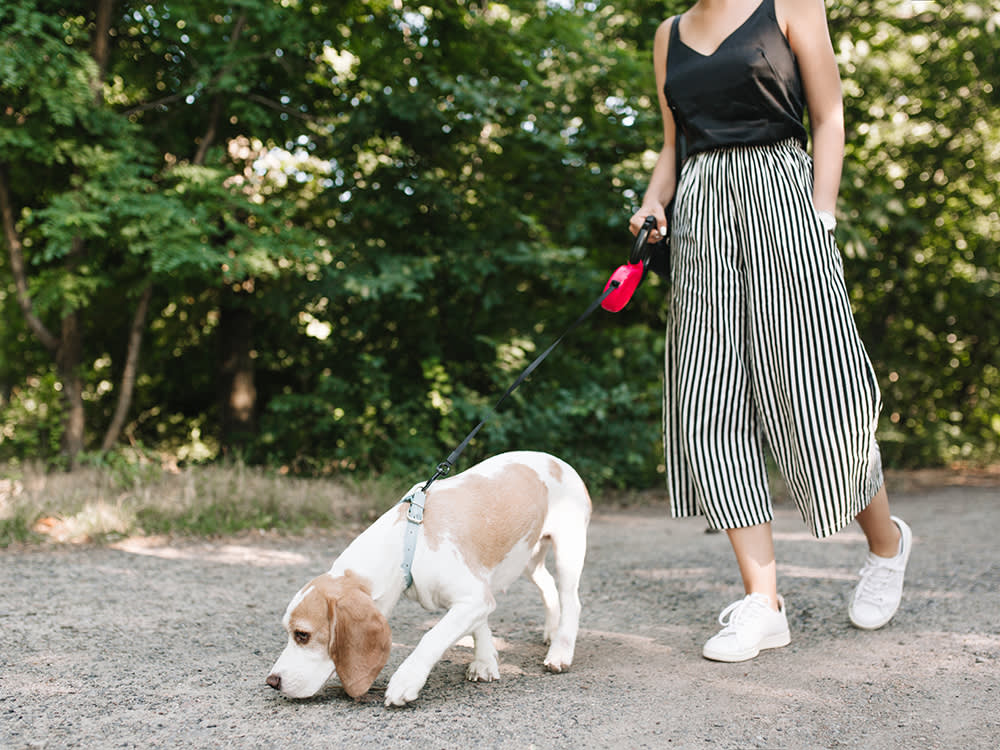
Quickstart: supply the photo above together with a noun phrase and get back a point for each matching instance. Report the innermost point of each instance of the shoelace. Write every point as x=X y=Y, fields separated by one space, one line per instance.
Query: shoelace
x=736 y=612
x=876 y=578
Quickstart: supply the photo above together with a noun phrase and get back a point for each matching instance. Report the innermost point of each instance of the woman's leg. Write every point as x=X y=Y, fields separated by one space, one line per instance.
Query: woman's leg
x=880 y=589
x=754 y=548
x=758 y=620
x=881 y=531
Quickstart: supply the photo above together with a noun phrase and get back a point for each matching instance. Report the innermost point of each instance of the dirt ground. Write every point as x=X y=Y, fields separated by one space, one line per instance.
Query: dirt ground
x=159 y=643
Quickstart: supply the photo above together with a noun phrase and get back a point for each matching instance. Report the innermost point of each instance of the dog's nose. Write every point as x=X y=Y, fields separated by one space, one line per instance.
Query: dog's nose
x=274 y=681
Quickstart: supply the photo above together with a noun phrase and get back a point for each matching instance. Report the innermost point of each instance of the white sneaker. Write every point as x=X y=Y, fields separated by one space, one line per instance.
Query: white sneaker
x=749 y=625
x=880 y=589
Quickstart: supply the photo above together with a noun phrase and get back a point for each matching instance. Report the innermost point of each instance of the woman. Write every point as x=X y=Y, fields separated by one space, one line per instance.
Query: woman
x=761 y=344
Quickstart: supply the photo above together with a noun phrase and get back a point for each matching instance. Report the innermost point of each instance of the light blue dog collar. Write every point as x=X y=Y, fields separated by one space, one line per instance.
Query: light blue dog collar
x=414 y=519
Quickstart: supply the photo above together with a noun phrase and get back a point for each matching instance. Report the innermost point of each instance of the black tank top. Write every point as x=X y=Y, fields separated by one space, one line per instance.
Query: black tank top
x=747 y=92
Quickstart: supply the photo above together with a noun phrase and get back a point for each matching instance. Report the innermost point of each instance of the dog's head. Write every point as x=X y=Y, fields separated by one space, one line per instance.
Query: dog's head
x=332 y=623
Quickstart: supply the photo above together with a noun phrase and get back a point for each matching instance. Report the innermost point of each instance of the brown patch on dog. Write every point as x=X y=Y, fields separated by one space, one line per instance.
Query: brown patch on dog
x=486 y=516
x=555 y=470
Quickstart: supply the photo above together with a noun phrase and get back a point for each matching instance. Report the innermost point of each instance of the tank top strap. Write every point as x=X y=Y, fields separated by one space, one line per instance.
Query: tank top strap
x=675 y=35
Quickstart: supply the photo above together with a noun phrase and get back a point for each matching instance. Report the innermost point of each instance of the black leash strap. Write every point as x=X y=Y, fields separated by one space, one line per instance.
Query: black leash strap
x=416 y=498
x=444 y=467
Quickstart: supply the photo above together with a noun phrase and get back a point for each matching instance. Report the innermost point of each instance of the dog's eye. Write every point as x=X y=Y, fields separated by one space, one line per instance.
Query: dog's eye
x=301 y=637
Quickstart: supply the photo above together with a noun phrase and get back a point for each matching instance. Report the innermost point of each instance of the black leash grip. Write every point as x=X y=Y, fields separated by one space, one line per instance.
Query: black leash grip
x=640 y=248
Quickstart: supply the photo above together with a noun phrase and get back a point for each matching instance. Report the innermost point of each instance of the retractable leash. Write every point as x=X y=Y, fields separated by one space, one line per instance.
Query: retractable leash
x=617 y=292
x=629 y=275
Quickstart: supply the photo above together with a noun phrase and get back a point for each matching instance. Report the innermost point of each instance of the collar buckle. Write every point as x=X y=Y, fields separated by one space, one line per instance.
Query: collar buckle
x=415 y=512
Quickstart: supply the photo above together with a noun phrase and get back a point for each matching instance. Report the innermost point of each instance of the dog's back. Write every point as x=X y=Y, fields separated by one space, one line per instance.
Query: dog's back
x=512 y=499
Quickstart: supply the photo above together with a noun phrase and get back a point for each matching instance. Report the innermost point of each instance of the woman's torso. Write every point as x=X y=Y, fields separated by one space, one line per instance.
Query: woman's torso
x=748 y=91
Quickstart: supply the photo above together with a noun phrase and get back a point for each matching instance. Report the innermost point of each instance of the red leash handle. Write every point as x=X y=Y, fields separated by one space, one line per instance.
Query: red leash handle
x=626 y=278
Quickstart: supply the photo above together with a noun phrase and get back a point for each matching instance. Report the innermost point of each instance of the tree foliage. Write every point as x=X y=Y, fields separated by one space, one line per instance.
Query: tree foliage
x=923 y=234
x=363 y=218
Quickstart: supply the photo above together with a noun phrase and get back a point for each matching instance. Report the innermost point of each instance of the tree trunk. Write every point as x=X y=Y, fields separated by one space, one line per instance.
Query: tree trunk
x=237 y=389
x=101 y=54
x=68 y=360
x=67 y=348
x=127 y=387
x=102 y=48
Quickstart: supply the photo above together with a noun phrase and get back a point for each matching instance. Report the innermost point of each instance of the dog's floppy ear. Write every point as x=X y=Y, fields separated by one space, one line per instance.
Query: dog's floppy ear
x=361 y=641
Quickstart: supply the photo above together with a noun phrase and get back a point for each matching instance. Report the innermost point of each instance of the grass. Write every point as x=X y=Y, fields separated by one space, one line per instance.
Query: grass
x=105 y=503
x=109 y=500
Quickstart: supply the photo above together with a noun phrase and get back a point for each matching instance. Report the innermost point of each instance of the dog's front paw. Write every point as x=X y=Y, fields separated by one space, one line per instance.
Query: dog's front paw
x=404 y=686
x=482 y=670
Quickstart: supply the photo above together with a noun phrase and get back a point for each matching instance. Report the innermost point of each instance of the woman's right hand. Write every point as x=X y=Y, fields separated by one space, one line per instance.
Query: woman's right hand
x=635 y=223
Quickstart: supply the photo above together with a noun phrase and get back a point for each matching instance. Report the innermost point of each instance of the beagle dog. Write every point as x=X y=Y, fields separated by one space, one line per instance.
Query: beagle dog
x=480 y=530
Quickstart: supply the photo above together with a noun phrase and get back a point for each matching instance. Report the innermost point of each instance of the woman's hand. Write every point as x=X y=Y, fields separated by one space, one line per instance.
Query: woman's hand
x=635 y=223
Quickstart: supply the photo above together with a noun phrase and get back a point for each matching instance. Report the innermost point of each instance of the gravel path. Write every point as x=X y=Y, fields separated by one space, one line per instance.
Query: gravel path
x=157 y=644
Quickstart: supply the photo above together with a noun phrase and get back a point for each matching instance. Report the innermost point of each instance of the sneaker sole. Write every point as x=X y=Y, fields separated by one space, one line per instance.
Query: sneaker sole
x=772 y=641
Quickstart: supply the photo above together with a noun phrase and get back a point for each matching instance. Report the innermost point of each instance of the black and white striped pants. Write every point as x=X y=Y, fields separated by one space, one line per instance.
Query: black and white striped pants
x=761 y=346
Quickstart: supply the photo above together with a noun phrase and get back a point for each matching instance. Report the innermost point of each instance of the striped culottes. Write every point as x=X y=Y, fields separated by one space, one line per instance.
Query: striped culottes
x=761 y=345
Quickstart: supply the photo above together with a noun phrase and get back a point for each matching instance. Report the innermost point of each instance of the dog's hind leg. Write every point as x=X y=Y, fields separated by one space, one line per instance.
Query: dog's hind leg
x=570 y=550
x=542 y=578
